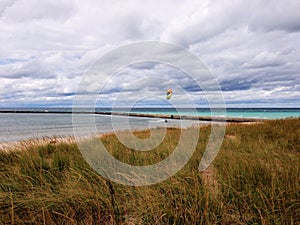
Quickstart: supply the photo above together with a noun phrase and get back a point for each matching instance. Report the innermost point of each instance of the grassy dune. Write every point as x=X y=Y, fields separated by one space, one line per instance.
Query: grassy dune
x=255 y=179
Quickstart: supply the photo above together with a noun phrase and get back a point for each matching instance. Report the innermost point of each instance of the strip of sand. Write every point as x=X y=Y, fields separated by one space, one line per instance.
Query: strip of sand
x=23 y=144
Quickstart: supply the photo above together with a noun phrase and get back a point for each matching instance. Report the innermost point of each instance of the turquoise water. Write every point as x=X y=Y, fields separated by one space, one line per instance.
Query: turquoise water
x=267 y=113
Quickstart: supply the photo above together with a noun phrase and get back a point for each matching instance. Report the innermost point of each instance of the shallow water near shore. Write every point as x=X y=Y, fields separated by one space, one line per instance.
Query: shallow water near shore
x=22 y=126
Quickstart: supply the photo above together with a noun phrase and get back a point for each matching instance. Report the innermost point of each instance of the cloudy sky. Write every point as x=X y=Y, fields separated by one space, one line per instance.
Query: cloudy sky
x=251 y=47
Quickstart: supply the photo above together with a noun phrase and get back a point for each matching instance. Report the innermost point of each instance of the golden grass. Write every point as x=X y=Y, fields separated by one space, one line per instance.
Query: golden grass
x=255 y=179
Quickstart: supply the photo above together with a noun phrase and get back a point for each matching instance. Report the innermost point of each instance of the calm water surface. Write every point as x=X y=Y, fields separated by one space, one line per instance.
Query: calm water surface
x=20 y=126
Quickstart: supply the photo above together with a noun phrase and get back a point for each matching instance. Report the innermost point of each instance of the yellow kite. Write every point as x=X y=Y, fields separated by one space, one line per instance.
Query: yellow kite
x=169 y=94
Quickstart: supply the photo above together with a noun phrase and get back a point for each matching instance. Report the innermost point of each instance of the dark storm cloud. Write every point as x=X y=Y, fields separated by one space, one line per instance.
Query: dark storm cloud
x=231 y=85
x=143 y=65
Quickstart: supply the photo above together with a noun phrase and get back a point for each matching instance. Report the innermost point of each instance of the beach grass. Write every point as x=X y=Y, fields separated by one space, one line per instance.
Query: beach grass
x=255 y=179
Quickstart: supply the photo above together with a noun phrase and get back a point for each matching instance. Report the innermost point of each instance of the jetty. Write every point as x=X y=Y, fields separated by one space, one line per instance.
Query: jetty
x=150 y=115
x=186 y=117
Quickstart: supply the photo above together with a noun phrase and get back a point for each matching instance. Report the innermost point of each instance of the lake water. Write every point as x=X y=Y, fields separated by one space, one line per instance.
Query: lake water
x=20 y=126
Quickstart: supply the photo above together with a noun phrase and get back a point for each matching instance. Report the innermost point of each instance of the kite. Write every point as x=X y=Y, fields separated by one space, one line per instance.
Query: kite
x=169 y=94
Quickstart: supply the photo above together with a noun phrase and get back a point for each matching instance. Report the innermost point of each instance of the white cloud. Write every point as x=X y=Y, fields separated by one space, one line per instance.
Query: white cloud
x=21 y=11
x=251 y=47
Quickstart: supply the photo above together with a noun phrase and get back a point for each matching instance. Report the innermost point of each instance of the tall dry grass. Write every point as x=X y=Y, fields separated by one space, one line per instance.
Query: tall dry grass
x=255 y=179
